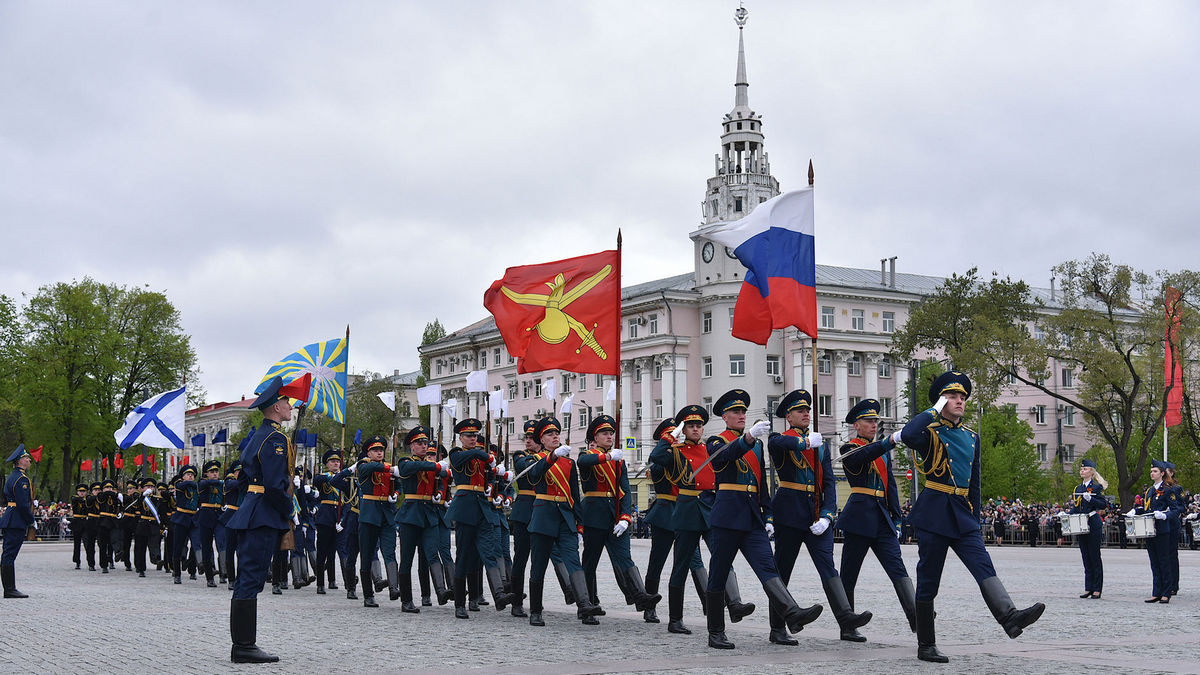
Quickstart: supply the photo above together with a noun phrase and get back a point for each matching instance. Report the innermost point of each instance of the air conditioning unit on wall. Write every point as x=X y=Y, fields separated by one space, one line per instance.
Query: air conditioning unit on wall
x=778 y=379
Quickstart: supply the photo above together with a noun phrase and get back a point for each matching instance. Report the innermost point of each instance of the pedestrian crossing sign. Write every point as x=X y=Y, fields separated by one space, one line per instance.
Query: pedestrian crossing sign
x=630 y=443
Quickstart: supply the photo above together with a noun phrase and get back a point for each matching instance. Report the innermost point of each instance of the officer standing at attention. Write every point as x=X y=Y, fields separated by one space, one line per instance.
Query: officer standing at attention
x=1088 y=498
x=740 y=518
x=1160 y=500
x=16 y=519
x=803 y=509
x=946 y=512
x=262 y=519
x=870 y=520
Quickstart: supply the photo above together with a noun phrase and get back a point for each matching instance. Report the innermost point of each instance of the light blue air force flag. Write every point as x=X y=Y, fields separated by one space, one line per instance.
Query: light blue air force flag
x=157 y=423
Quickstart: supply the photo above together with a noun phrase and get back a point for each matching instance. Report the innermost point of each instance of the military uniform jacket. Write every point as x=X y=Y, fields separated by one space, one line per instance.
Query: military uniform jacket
x=1163 y=498
x=807 y=485
x=947 y=455
x=93 y=511
x=109 y=506
x=231 y=498
x=187 y=503
x=349 y=489
x=329 y=500
x=556 y=482
x=147 y=525
x=605 y=487
x=471 y=470
x=79 y=511
x=266 y=475
x=419 y=482
x=665 y=493
x=18 y=500
x=211 y=497
x=374 y=489
x=869 y=469
x=694 y=494
x=131 y=508
x=742 y=501
x=522 y=507
x=1091 y=507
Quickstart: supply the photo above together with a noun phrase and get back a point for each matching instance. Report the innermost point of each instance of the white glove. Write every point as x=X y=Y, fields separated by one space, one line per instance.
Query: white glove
x=677 y=433
x=616 y=455
x=352 y=467
x=396 y=471
x=1159 y=515
x=296 y=481
x=818 y=528
x=392 y=498
x=1132 y=512
x=296 y=519
x=338 y=527
x=507 y=501
x=119 y=515
x=1087 y=496
x=35 y=502
x=308 y=489
x=620 y=528
x=1190 y=516
x=147 y=492
x=562 y=452
x=759 y=429
x=437 y=498
x=445 y=464
x=815 y=440
x=581 y=542
x=500 y=468
x=508 y=476
x=937 y=407
x=120 y=498
x=896 y=438
x=487 y=491
x=770 y=527
x=224 y=508
x=493 y=458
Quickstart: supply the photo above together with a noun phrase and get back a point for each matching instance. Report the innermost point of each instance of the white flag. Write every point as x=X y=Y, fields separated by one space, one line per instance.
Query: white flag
x=550 y=389
x=429 y=395
x=389 y=399
x=476 y=381
x=611 y=394
x=157 y=423
x=451 y=407
x=566 y=405
x=496 y=402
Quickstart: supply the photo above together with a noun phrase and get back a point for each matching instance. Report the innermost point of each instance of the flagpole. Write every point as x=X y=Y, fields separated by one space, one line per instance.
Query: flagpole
x=344 y=412
x=617 y=403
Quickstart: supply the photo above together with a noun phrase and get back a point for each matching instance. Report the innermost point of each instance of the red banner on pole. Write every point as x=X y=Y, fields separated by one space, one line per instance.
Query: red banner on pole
x=85 y=465
x=1173 y=371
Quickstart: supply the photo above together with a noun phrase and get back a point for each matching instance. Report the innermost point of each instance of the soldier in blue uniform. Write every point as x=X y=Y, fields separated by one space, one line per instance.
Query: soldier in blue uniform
x=419 y=518
x=607 y=512
x=474 y=518
x=329 y=505
x=187 y=503
x=519 y=517
x=1161 y=500
x=16 y=519
x=1176 y=526
x=211 y=491
x=261 y=520
x=377 y=516
x=444 y=555
x=347 y=527
x=870 y=520
x=740 y=518
x=556 y=524
x=79 y=510
x=946 y=513
x=1089 y=498
x=803 y=513
x=304 y=554
x=231 y=501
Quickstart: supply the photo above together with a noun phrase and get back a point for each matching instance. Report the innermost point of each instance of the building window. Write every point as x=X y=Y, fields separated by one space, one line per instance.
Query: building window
x=855 y=400
x=1010 y=378
x=854 y=365
x=773 y=365
x=637 y=371
x=1069 y=452
x=824 y=405
x=599 y=381
x=512 y=390
x=658 y=411
x=885 y=408
x=525 y=389
x=439 y=368
x=567 y=420
x=1069 y=416
x=512 y=426
x=706 y=322
x=731 y=319
x=1039 y=414
x=772 y=403
x=889 y=322
x=737 y=204
x=511 y=359
x=1068 y=377
x=566 y=383
x=537 y=388
x=583 y=421
x=737 y=364
x=482 y=359
x=582 y=382
x=653 y=324
x=1038 y=333
x=496 y=356
x=637 y=410
x=885 y=367
x=708 y=404
x=657 y=370
x=826 y=317
x=713 y=208
x=824 y=364
x=1041 y=450
x=858 y=319
x=633 y=326
x=706 y=366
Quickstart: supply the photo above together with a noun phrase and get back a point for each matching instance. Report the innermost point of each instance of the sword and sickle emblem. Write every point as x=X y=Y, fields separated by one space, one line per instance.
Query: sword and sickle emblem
x=557 y=325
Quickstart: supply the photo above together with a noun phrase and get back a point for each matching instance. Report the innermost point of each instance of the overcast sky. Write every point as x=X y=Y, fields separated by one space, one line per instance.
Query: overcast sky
x=283 y=169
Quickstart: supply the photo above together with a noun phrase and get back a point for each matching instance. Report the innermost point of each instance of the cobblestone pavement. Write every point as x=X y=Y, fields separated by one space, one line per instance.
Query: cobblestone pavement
x=80 y=621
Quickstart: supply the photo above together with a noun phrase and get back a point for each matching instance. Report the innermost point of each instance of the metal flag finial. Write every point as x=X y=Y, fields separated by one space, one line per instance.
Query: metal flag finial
x=740 y=14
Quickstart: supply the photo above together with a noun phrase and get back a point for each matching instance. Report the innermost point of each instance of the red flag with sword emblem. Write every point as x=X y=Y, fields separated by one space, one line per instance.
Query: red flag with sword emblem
x=564 y=314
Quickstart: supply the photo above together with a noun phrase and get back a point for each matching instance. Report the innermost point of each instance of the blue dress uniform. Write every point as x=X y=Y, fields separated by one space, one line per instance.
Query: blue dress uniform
x=231 y=500
x=212 y=498
x=946 y=516
x=1088 y=498
x=419 y=519
x=1161 y=498
x=662 y=532
x=347 y=529
x=16 y=519
x=871 y=518
x=607 y=512
x=475 y=521
x=108 y=506
x=183 y=520
x=329 y=506
x=440 y=500
x=79 y=511
x=262 y=519
x=1176 y=525
x=694 y=486
x=803 y=515
x=377 y=519
x=739 y=519
x=556 y=524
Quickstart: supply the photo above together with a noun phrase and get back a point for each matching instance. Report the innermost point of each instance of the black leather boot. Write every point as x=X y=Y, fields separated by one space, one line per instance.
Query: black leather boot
x=367 y=588
x=716 y=622
x=535 y=602
x=423 y=581
x=843 y=611
x=738 y=610
x=406 y=595
x=177 y=571
x=377 y=577
x=349 y=580
x=393 y=581
x=700 y=581
x=517 y=585
x=926 y=640
x=299 y=580
x=460 y=598
x=1012 y=619
x=436 y=575
x=331 y=570
x=480 y=600
x=495 y=580
x=243 y=629
x=637 y=590
x=586 y=611
x=320 y=580
x=779 y=634
x=908 y=600
x=593 y=596
x=9 y=574
x=675 y=611
x=793 y=615
x=564 y=582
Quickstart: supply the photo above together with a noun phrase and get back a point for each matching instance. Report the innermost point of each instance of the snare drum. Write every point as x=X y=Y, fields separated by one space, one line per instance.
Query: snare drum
x=1074 y=523
x=1139 y=527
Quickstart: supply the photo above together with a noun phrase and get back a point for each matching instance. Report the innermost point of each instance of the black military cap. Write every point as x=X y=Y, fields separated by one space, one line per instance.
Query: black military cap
x=692 y=413
x=186 y=468
x=373 y=442
x=332 y=453
x=418 y=433
x=529 y=427
x=81 y=486
x=866 y=409
x=663 y=427
x=797 y=399
x=546 y=424
x=94 y=486
x=108 y=483
x=468 y=426
x=212 y=464
x=947 y=382
x=732 y=400
x=598 y=424
x=148 y=482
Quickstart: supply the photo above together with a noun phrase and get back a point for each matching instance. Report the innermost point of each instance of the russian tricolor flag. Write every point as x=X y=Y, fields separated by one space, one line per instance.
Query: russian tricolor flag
x=776 y=244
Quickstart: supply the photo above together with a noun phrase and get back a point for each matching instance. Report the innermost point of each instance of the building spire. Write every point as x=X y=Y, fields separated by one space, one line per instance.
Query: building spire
x=741 y=98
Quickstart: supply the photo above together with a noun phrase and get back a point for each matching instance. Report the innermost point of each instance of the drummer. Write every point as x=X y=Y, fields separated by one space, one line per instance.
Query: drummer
x=1163 y=502
x=1088 y=498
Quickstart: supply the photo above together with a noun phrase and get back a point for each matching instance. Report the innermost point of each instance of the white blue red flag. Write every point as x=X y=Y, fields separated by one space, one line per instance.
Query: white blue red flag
x=776 y=244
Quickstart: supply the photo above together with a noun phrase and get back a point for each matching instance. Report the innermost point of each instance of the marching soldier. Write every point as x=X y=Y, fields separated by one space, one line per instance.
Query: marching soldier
x=803 y=513
x=146 y=533
x=129 y=521
x=79 y=514
x=231 y=501
x=187 y=503
x=519 y=517
x=305 y=536
x=211 y=496
x=377 y=516
x=555 y=523
x=607 y=511
x=870 y=520
x=92 y=525
x=16 y=519
x=740 y=516
x=439 y=501
x=662 y=532
x=108 y=507
x=418 y=517
x=347 y=527
x=474 y=519
x=328 y=508
x=946 y=512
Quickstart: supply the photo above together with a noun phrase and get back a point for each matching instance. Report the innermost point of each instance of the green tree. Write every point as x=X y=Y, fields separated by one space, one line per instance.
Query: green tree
x=1009 y=465
x=434 y=331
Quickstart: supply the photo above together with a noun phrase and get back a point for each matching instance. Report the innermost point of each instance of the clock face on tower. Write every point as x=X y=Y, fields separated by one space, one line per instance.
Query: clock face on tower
x=707 y=252
x=729 y=252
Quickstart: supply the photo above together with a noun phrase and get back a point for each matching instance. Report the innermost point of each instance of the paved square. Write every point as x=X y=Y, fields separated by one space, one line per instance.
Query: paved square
x=80 y=621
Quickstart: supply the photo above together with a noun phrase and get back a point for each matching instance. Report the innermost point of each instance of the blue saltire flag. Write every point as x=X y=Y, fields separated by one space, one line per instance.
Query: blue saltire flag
x=221 y=436
x=198 y=441
x=157 y=423
x=327 y=362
